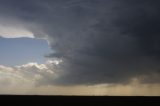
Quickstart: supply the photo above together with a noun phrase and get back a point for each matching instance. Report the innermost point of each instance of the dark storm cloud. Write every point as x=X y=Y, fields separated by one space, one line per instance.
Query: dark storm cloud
x=100 y=41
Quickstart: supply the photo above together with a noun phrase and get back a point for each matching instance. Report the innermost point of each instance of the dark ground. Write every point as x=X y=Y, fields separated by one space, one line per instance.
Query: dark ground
x=78 y=100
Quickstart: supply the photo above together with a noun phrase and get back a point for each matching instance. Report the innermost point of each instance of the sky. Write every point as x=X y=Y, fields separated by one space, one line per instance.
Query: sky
x=80 y=47
x=18 y=51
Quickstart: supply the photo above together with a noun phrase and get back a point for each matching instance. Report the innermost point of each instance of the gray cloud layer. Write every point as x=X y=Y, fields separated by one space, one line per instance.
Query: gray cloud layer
x=100 y=41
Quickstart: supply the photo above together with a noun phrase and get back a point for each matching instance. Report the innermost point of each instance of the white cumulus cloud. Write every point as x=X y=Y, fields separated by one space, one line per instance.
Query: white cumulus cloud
x=26 y=76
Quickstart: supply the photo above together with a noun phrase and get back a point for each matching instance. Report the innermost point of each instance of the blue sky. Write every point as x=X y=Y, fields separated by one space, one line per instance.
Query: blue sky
x=17 y=51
